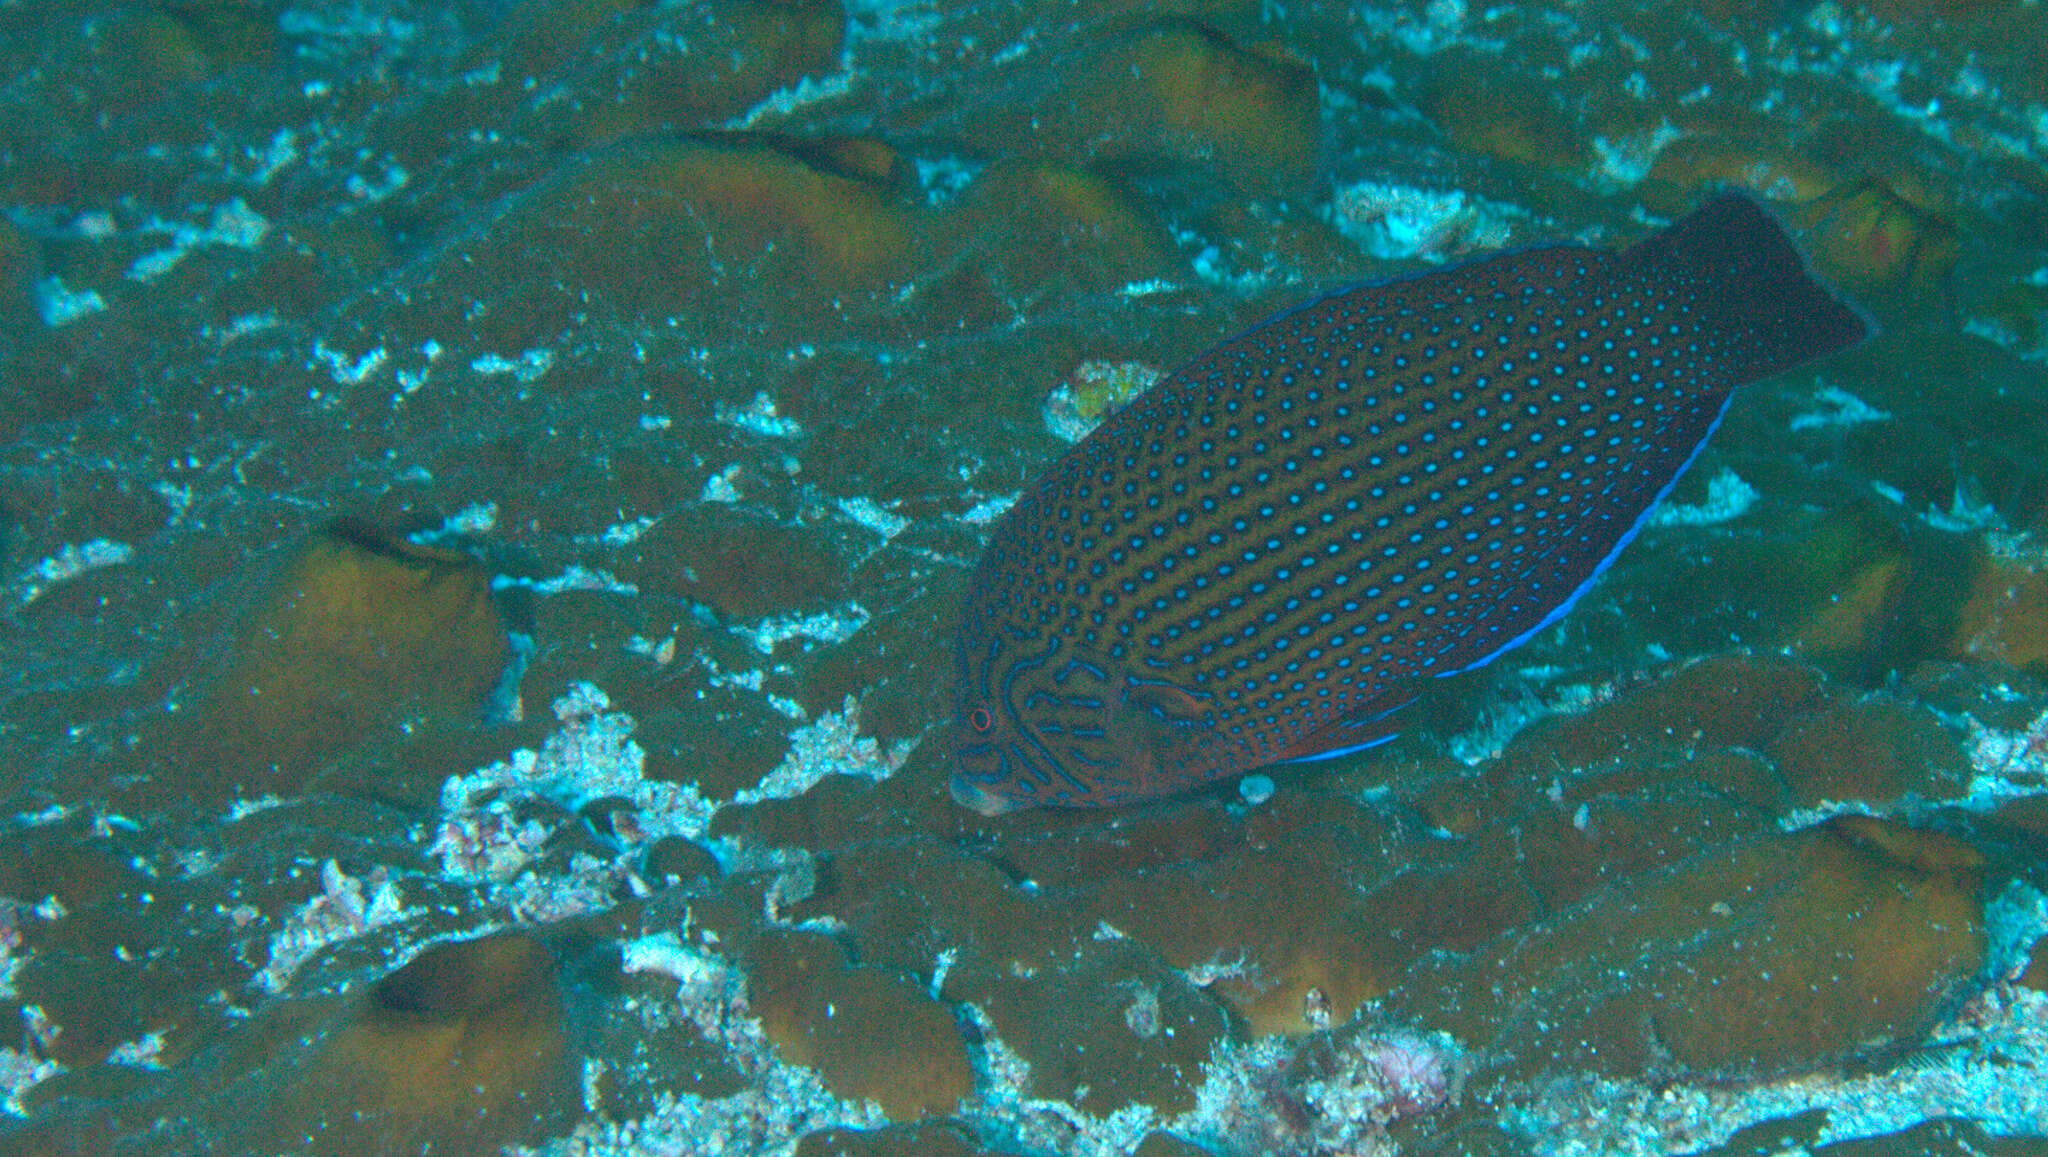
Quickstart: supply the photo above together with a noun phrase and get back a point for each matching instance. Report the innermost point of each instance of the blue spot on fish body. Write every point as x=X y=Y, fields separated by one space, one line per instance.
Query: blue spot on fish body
x=1289 y=534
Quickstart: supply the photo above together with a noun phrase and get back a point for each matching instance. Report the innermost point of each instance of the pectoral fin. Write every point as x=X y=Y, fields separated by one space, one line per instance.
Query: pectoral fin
x=1370 y=725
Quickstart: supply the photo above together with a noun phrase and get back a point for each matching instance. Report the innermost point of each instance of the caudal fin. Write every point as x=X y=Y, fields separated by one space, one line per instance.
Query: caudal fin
x=1739 y=262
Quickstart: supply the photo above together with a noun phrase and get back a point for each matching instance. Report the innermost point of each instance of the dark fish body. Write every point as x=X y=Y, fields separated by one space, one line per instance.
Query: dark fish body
x=1262 y=557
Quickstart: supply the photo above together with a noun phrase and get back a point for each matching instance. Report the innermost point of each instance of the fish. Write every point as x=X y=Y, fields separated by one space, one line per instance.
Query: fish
x=1269 y=553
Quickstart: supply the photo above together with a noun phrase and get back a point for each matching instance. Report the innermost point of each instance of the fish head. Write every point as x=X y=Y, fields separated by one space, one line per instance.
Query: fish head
x=1043 y=723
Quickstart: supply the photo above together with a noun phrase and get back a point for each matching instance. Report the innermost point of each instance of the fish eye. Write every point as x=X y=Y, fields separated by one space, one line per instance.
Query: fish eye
x=980 y=719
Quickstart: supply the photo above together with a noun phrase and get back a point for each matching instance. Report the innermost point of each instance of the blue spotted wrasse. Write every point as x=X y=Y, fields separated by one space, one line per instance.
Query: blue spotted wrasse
x=1263 y=557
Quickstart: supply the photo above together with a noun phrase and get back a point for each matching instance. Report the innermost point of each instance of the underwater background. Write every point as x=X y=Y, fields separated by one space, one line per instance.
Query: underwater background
x=486 y=491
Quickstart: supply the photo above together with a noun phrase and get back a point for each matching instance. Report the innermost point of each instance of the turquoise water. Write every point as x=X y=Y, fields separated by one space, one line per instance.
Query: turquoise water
x=390 y=390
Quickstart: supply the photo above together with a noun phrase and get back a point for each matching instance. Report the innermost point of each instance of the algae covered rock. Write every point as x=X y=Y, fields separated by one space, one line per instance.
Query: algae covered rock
x=1104 y=1025
x=466 y=1042
x=360 y=638
x=1779 y=954
x=872 y=1035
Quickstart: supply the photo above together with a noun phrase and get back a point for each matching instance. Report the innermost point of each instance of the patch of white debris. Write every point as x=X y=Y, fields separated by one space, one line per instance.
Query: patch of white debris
x=710 y=993
x=1403 y=222
x=944 y=178
x=1150 y=287
x=874 y=516
x=345 y=907
x=1112 y=384
x=1253 y=1098
x=1799 y=819
x=1989 y=1065
x=2015 y=928
x=413 y=379
x=21 y=1071
x=576 y=577
x=1520 y=705
x=759 y=416
x=784 y=102
x=1968 y=513
x=831 y=745
x=622 y=533
x=1258 y=1098
x=234 y=225
x=530 y=366
x=72 y=560
x=1836 y=407
x=472 y=521
x=1728 y=498
x=2029 y=344
x=1425 y=29
x=1623 y=162
x=2006 y=765
x=60 y=305
x=490 y=835
x=481 y=835
x=988 y=510
x=1216 y=266
x=145 y=1052
x=724 y=486
x=781 y=1104
x=347 y=371
x=835 y=626
x=13 y=954
x=661 y=651
x=1004 y=1107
